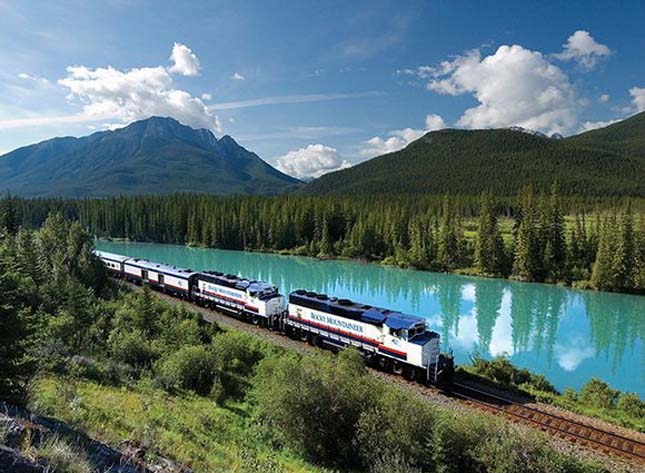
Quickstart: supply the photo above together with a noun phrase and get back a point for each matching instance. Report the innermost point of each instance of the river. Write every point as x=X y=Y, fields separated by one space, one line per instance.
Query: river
x=565 y=334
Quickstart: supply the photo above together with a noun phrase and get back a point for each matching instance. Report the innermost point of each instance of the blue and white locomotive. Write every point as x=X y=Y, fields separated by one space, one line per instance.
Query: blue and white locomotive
x=258 y=301
x=388 y=339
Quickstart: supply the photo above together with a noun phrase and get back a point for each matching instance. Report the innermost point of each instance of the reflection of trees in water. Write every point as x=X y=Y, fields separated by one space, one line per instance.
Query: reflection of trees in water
x=449 y=297
x=537 y=312
x=488 y=302
x=615 y=322
x=521 y=316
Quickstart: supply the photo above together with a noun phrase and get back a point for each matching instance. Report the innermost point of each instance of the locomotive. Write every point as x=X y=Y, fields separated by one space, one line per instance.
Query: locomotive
x=388 y=339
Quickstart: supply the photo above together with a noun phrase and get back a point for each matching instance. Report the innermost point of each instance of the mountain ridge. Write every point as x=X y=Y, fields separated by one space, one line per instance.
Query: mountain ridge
x=157 y=155
x=606 y=162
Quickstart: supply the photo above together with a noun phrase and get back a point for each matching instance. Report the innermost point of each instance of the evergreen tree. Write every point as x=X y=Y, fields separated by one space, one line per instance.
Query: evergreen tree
x=640 y=245
x=624 y=264
x=8 y=218
x=602 y=273
x=16 y=366
x=326 y=247
x=527 y=255
x=489 y=246
x=451 y=246
x=421 y=245
x=555 y=250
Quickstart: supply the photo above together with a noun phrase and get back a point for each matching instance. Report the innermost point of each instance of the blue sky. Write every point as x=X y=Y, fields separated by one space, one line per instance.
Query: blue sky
x=312 y=86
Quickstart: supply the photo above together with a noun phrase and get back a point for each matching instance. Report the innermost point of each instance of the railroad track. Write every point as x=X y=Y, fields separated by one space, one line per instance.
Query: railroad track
x=579 y=433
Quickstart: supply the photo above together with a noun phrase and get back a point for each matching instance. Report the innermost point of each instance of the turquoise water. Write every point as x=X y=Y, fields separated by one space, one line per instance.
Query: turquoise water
x=565 y=334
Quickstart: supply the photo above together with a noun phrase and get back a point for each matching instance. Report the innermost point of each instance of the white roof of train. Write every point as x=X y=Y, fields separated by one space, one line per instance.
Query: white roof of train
x=160 y=268
x=111 y=256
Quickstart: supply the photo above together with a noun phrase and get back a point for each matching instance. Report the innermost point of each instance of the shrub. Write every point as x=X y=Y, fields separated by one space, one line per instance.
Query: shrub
x=398 y=423
x=501 y=370
x=315 y=403
x=631 y=404
x=191 y=368
x=132 y=347
x=597 y=393
x=84 y=367
x=236 y=356
x=218 y=392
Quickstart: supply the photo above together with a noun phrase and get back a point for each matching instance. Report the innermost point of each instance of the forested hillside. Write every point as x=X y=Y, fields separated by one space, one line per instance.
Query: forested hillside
x=606 y=162
x=604 y=249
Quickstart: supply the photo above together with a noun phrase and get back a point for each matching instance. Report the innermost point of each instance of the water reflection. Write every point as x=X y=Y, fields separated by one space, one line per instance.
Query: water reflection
x=567 y=335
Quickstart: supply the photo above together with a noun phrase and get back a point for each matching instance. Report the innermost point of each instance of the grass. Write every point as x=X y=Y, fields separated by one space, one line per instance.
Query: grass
x=187 y=428
x=568 y=401
x=61 y=457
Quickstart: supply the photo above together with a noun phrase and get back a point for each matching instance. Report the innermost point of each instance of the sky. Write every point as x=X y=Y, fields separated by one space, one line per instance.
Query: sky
x=315 y=86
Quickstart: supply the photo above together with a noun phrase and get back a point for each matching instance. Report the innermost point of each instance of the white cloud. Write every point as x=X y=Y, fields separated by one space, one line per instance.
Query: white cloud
x=238 y=76
x=110 y=94
x=398 y=139
x=207 y=96
x=514 y=87
x=25 y=76
x=587 y=126
x=312 y=161
x=638 y=98
x=604 y=98
x=184 y=61
x=583 y=49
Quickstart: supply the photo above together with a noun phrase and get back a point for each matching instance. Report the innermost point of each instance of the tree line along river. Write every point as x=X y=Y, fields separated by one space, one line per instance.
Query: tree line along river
x=565 y=334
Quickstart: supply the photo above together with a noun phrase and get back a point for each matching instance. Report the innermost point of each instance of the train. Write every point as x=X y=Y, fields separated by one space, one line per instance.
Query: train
x=388 y=340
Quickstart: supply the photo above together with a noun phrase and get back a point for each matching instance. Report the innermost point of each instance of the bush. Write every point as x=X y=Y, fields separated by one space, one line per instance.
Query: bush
x=236 y=356
x=218 y=392
x=631 y=404
x=315 y=403
x=132 y=347
x=84 y=367
x=398 y=423
x=597 y=393
x=501 y=370
x=191 y=367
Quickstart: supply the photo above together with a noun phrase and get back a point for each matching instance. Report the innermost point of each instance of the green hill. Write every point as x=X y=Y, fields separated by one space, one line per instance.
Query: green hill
x=604 y=162
x=152 y=156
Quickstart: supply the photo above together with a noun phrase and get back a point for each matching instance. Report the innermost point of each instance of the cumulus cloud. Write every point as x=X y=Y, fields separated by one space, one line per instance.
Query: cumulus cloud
x=514 y=86
x=238 y=76
x=398 y=139
x=110 y=94
x=638 y=98
x=184 y=61
x=312 y=161
x=583 y=49
x=207 y=96
x=604 y=98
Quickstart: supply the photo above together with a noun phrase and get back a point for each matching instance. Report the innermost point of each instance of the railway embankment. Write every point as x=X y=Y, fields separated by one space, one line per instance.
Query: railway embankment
x=617 y=448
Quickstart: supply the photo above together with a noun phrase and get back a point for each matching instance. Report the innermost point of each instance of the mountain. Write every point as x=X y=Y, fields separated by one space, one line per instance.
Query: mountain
x=604 y=162
x=152 y=156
